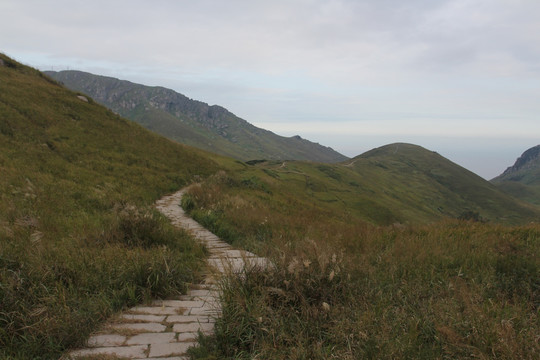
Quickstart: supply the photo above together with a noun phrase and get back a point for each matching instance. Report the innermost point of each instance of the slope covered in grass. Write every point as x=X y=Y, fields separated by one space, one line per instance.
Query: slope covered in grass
x=78 y=239
x=347 y=289
x=410 y=185
x=429 y=183
x=524 y=192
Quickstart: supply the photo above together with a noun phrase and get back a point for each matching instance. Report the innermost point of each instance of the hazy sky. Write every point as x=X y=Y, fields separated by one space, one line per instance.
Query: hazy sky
x=460 y=77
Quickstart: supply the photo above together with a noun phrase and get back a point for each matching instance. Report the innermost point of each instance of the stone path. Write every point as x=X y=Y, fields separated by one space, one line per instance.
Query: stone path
x=165 y=329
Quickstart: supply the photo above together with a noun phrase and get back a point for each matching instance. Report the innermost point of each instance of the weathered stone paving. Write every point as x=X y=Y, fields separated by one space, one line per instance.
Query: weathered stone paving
x=165 y=329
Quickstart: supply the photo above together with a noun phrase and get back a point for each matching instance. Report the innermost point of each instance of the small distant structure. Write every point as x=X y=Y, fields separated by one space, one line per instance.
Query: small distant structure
x=83 y=98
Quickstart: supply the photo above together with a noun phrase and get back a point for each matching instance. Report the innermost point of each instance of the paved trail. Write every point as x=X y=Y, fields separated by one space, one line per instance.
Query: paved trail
x=165 y=329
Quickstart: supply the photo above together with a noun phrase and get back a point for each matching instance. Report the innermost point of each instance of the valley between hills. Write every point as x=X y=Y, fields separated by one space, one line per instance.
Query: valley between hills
x=396 y=253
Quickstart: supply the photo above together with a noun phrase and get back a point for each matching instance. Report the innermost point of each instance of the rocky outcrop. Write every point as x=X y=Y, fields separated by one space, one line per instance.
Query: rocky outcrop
x=528 y=160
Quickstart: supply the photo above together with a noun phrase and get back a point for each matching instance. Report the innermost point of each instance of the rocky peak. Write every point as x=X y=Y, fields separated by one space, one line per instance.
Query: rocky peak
x=529 y=159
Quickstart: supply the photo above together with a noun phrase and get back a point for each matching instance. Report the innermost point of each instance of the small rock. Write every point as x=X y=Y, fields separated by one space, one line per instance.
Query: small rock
x=83 y=98
x=325 y=306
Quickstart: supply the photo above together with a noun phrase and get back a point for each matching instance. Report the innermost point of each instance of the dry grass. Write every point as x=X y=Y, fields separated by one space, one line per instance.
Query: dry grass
x=345 y=289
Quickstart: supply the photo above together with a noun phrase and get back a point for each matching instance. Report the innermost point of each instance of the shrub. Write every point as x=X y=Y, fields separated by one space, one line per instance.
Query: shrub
x=470 y=215
x=135 y=227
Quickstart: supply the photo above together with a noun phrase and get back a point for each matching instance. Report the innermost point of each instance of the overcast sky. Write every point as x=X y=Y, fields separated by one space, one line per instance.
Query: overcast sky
x=460 y=77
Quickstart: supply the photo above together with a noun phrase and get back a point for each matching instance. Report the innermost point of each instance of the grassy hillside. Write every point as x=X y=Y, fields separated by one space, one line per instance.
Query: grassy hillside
x=192 y=122
x=427 y=182
x=382 y=187
x=370 y=259
x=524 y=192
x=78 y=239
x=345 y=288
x=522 y=180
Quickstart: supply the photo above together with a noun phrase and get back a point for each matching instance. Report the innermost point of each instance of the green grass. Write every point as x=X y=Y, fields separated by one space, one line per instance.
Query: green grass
x=78 y=239
x=412 y=186
x=524 y=192
x=421 y=178
x=347 y=289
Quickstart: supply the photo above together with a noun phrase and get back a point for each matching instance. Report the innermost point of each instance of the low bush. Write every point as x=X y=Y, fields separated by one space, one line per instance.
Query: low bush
x=136 y=227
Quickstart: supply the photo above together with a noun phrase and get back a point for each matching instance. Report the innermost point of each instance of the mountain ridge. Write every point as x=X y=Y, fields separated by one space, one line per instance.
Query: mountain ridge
x=192 y=122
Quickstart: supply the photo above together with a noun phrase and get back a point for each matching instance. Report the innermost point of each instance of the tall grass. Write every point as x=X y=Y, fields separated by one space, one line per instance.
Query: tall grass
x=54 y=293
x=78 y=238
x=346 y=289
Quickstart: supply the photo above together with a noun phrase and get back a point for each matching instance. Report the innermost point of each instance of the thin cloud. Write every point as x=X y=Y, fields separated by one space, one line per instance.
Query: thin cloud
x=455 y=62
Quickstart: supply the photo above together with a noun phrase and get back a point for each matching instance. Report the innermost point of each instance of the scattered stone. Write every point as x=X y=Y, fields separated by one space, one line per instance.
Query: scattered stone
x=83 y=98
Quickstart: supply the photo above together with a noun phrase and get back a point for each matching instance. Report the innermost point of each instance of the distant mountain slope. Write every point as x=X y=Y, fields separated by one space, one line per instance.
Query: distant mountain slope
x=192 y=122
x=522 y=180
x=425 y=180
x=397 y=183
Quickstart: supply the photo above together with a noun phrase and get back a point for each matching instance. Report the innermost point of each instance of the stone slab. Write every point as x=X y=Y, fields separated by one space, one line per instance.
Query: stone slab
x=187 y=336
x=154 y=310
x=193 y=327
x=160 y=350
x=106 y=340
x=146 y=327
x=137 y=351
x=187 y=319
x=179 y=303
x=166 y=358
x=144 y=318
x=205 y=311
x=202 y=292
x=152 y=338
